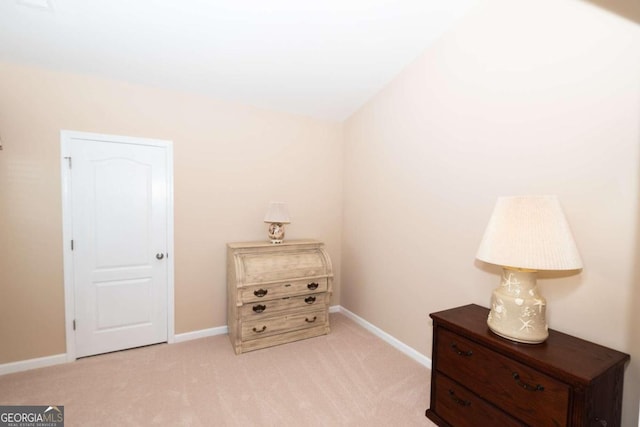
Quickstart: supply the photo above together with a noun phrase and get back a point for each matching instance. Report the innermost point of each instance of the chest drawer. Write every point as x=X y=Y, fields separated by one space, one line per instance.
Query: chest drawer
x=537 y=398
x=463 y=408
x=255 y=329
x=268 y=307
x=282 y=289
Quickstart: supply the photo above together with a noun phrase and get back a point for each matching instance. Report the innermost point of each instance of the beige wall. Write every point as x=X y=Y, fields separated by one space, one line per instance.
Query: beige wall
x=629 y=9
x=521 y=97
x=230 y=161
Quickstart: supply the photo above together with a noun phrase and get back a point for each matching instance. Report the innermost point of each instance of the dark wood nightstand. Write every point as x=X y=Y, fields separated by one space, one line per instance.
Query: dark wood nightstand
x=481 y=379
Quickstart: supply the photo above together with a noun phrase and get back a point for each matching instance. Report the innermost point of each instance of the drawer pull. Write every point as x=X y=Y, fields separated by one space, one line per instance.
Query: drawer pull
x=257 y=331
x=259 y=308
x=260 y=293
x=306 y=319
x=288 y=285
x=525 y=385
x=459 y=352
x=310 y=300
x=312 y=285
x=456 y=399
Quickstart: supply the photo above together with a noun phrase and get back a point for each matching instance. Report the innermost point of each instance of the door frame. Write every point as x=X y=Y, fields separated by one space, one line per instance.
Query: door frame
x=66 y=136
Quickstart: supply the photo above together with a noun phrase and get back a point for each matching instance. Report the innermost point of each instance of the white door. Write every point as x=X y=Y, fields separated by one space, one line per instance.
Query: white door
x=119 y=214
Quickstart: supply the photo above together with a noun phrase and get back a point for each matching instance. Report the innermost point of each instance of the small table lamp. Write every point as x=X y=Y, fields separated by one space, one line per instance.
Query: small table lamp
x=277 y=216
x=525 y=234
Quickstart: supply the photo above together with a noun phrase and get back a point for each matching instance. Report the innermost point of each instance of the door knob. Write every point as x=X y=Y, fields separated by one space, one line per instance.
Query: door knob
x=159 y=256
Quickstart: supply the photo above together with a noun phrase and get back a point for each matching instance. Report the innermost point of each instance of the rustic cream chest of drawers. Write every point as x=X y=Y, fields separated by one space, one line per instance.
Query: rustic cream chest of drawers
x=277 y=293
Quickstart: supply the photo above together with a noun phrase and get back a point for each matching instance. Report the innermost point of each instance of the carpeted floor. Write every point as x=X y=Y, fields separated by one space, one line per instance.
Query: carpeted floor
x=347 y=378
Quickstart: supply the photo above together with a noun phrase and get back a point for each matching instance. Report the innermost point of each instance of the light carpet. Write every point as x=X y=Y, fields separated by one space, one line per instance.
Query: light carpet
x=346 y=378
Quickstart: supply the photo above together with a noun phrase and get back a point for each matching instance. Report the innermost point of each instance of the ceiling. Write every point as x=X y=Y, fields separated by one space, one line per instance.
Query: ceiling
x=322 y=59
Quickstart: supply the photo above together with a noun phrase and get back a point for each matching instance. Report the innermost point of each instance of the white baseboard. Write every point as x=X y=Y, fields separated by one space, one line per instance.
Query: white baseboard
x=25 y=365
x=335 y=309
x=41 y=362
x=394 y=342
x=203 y=333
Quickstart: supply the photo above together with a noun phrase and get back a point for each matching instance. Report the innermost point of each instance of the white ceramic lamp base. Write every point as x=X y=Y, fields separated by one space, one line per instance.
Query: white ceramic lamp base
x=517 y=309
x=276 y=232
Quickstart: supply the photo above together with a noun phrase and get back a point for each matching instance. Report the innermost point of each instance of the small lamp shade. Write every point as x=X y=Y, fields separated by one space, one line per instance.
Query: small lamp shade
x=525 y=234
x=277 y=213
x=276 y=216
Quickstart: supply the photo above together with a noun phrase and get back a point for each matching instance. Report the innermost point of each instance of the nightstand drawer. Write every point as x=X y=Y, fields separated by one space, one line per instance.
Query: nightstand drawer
x=462 y=408
x=537 y=398
x=278 y=324
x=282 y=289
x=297 y=303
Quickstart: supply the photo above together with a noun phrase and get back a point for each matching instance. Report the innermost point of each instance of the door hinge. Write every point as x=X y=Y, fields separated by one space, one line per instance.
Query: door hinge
x=74 y=324
x=71 y=244
x=69 y=159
